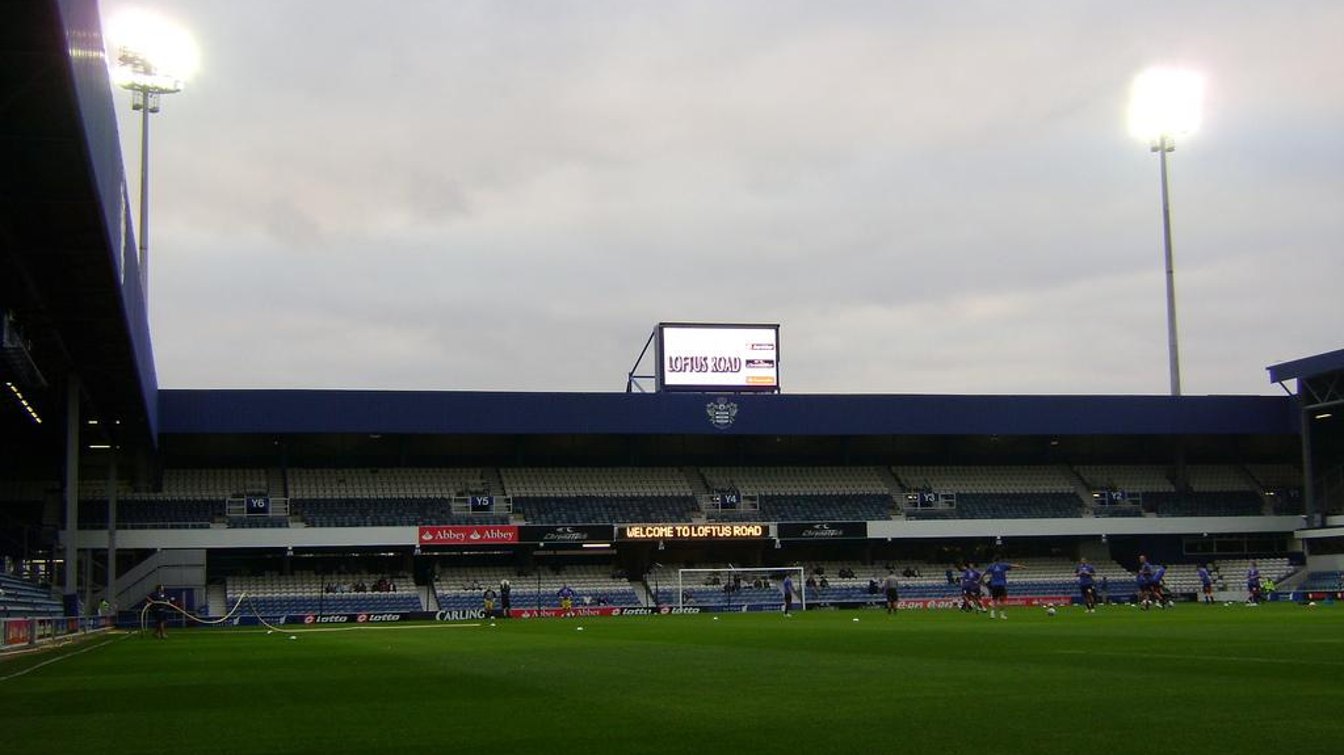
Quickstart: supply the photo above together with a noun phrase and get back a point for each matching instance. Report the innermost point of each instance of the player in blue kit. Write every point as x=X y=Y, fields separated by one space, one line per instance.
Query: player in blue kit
x=566 y=595
x=787 y=590
x=1205 y=582
x=1144 y=581
x=1087 y=575
x=1157 y=588
x=1253 y=583
x=972 y=597
x=996 y=575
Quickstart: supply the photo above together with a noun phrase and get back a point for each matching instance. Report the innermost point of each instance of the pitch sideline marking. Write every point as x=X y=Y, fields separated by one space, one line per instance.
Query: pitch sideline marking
x=50 y=661
x=1230 y=658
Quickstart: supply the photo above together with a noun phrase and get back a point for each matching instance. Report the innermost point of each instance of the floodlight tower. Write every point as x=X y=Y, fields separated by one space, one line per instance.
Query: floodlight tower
x=153 y=59
x=1164 y=104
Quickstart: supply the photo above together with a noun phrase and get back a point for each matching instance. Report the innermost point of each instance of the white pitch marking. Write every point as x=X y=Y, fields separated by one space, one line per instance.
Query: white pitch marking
x=1232 y=658
x=50 y=661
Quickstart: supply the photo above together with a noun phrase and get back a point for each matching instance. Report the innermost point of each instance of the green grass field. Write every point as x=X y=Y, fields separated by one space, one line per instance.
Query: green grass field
x=1190 y=680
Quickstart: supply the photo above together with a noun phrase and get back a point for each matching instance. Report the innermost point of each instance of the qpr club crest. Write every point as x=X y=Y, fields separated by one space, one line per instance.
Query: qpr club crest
x=722 y=412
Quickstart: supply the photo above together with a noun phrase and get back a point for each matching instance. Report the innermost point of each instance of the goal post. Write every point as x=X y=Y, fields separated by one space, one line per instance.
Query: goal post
x=740 y=588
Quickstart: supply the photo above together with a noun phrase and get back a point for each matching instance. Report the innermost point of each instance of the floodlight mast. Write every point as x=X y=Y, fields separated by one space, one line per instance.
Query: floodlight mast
x=142 y=78
x=1164 y=104
x=1162 y=146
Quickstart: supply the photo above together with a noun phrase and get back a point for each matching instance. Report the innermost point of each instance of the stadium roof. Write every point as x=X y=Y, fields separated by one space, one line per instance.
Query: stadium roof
x=68 y=268
x=1307 y=367
x=453 y=412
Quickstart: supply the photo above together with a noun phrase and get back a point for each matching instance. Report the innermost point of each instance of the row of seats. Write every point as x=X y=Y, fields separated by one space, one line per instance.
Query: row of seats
x=590 y=481
x=19 y=597
x=436 y=482
x=404 y=512
x=1230 y=503
x=1324 y=580
x=603 y=509
x=860 y=507
x=463 y=588
x=384 y=512
x=331 y=603
x=396 y=482
x=796 y=480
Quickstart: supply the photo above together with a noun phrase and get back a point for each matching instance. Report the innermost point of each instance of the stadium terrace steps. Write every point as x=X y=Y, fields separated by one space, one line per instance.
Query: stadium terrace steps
x=194 y=498
x=462 y=588
x=23 y=598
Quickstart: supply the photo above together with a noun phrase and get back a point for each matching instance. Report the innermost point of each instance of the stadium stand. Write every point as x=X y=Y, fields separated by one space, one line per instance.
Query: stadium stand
x=992 y=492
x=1197 y=503
x=461 y=588
x=589 y=482
x=1041 y=577
x=273 y=594
x=1231 y=573
x=1129 y=479
x=986 y=479
x=392 y=497
x=812 y=508
x=188 y=499
x=212 y=484
x=194 y=498
x=1018 y=505
x=390 y=483
x=384 y=512
x=797 y=480
x=19 y=597
x=604 y=509
x=1323 y=581
x=153 y=513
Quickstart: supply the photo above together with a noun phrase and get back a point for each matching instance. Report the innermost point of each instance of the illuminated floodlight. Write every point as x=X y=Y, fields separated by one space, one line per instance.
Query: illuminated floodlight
x=1165 y=103
x=151 y=53
x=153 y=57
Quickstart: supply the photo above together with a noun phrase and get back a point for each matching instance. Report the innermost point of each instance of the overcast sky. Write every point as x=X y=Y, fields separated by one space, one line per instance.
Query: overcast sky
x=927 y=197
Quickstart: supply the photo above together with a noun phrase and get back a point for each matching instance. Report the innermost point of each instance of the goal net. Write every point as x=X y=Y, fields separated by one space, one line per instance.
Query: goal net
x=735 y=588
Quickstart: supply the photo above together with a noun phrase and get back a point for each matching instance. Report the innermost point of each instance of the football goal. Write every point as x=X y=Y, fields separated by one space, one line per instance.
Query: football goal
x=736 y=588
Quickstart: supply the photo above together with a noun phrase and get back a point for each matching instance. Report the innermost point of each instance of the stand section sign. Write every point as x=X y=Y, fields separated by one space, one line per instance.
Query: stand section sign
x=454 y=534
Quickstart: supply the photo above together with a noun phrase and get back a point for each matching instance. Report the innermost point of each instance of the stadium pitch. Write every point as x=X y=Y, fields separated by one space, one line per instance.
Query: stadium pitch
x=1224 y=679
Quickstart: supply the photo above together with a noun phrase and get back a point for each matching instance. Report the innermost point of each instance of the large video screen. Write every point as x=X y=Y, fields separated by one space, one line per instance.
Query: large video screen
x=700 y=357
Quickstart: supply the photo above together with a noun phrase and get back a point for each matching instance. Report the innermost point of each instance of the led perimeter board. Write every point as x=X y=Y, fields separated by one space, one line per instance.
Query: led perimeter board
x=698 y=357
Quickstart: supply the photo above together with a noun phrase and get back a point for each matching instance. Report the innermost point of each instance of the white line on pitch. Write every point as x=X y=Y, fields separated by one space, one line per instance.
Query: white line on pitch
x=50 y=661
x=1232 y=658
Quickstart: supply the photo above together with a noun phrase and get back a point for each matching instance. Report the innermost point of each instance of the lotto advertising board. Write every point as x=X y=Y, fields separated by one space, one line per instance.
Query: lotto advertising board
x=718 y=357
